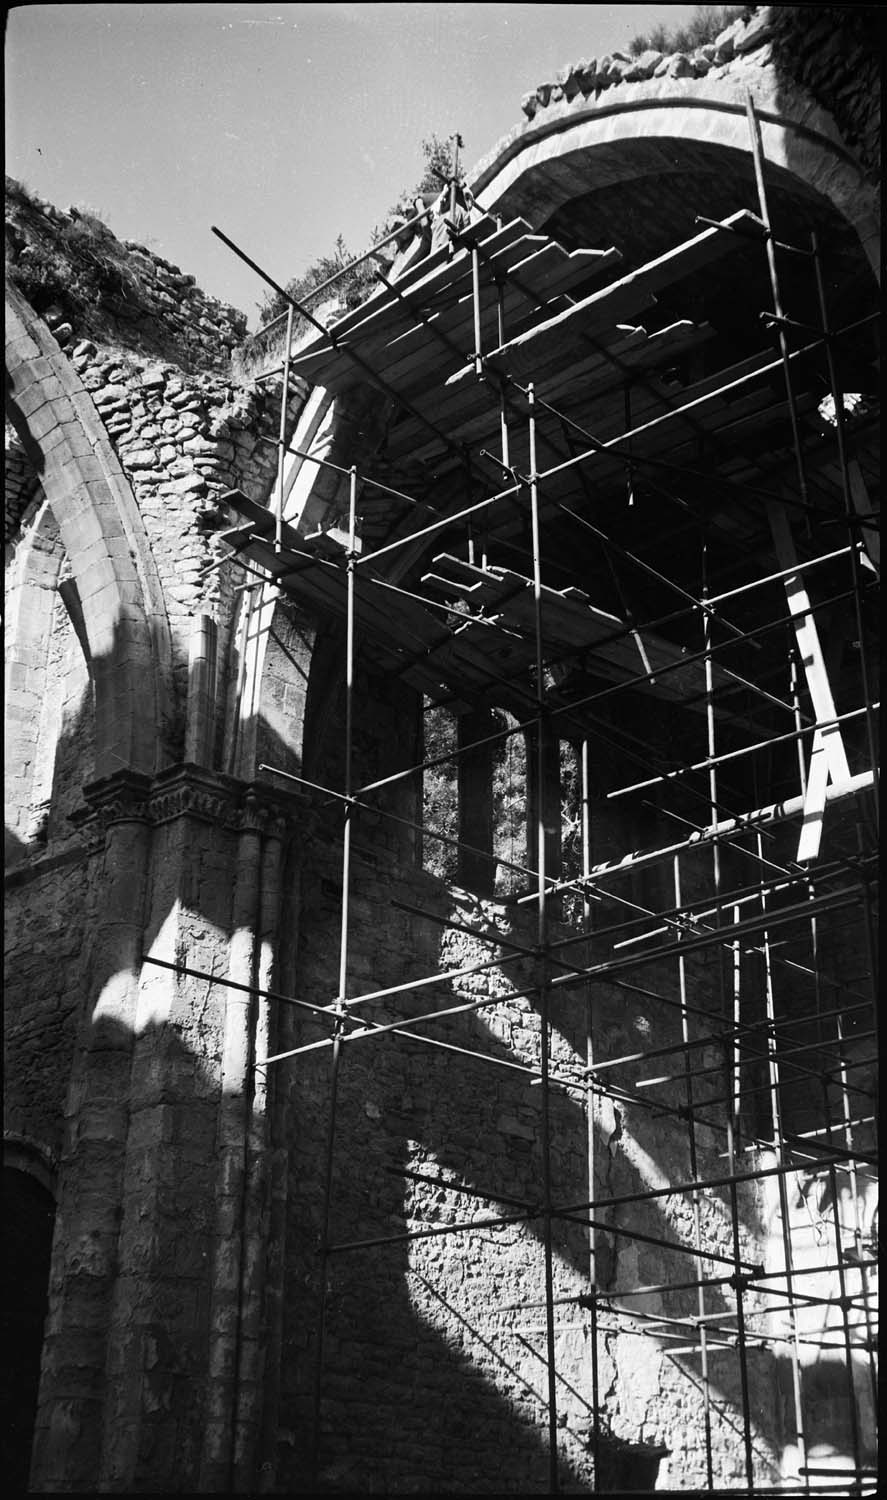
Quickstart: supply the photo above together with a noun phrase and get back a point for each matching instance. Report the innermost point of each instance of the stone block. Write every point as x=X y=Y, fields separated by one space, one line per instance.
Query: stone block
x=111 y=394
x=142 y=458
x=190 y=484
x=642 y=67
x=679 y=66
x=758 y=30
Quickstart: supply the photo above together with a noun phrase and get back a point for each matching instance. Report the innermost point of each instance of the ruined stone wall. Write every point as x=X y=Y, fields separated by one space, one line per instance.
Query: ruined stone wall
x=181 y=435
x=118 y=1073
x=190 y=1229
x=75 y=272
x=434 y=1372
x=833 y=51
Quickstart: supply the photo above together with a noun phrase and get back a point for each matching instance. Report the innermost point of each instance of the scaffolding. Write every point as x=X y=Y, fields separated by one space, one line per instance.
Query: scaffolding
x=495 y=329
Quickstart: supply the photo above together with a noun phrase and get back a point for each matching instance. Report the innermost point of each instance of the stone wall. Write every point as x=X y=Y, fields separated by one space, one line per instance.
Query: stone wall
x=434 y=1350
x=136 y=426
x=831 y=50
x=73 y=268
x=187 y=1278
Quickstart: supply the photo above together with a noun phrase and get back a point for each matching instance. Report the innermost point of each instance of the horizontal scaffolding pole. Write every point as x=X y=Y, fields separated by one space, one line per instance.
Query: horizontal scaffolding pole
x=755 y=1274
x=503 y=1220
x=726 y=828
x=407 y=1024
x=351 y=265
x=354 y=800
x=586 y=701
x=728 y=755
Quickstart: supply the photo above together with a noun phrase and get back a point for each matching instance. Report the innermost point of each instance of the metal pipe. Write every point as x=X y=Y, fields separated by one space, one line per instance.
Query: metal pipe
x=785 y=1219
x=757 y=147
x=526 y=1216
x=782 y=573
x=732 y=1076
x=475 y=298
x=584 y=1298
x=590 y=1122
x=343 y=270
x=284 y=412
x=831 y=902
x=431 y=833
x=590 y=698
x=755 y=1274
x=542 y=940
x=844 y=1303
x=350 y=353
x=717 y=760
x=694 y=1172
x=847 y=1123
x=696 y=604
x=608 y=446
x=629 y=374
x=340 y=1005
x=726 y=828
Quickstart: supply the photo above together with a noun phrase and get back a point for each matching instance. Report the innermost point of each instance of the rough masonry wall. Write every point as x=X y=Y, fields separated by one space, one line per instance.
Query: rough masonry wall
x=119 y=291
x=831 y=50
x=434 y=1369
x=132 y=1081
x=434 y=1349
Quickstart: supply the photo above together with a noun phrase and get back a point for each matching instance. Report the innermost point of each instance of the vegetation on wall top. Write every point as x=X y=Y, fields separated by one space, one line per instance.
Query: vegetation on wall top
x=72 y=261
x=703 y=26
x=357 y=284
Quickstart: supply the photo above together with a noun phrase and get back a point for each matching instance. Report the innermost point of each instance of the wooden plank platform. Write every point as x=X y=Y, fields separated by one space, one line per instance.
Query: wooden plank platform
x=476 y=651
x=435 y=285
x=628 y=297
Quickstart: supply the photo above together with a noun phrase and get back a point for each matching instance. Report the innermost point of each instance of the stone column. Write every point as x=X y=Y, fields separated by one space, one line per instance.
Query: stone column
x=217 y=1458
x=236 y=1351
x=256 y=1359
x=85 y=1259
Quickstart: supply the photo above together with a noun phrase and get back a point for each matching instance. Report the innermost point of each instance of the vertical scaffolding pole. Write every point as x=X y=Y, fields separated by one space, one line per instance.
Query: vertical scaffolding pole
x=857 y=1219
x=284 y=411
x=503 y=404
x=590 y=1114
x=697 y=1202
x=757 y=148
x=833 y=1185
x=542 y=959
x=776 y=1111
x=730 y=1070
x=335 y=1056
x=845 y=1316
x=475 y=297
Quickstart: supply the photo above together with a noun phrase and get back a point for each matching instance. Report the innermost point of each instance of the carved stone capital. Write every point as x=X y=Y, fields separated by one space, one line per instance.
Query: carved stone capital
x=190 y=791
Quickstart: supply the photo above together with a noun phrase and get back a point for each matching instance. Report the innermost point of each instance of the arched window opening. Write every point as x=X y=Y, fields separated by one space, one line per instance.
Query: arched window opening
x=510 y=808
x=571 y=828
x=440 y=792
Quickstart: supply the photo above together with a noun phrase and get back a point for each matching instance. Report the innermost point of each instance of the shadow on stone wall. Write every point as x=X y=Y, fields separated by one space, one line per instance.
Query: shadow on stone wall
x=419 y=1390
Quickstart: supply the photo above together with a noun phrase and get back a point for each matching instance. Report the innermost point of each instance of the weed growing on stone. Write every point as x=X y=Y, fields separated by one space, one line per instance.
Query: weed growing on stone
x=702 y=27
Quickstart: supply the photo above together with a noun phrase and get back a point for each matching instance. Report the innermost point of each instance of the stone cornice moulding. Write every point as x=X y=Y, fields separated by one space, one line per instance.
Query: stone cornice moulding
x=190 y=791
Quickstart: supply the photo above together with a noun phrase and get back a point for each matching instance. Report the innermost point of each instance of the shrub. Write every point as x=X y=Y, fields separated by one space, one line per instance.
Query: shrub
x=82 y=267
x=707 y=22
x=356 y=285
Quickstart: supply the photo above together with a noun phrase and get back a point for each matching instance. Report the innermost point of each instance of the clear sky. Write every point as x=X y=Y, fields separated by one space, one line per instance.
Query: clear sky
x=285 y=125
